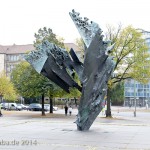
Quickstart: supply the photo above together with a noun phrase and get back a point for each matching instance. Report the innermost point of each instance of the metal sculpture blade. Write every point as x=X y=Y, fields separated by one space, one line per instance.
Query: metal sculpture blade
x=98 y=67
x=57 y=65
x=55 y=61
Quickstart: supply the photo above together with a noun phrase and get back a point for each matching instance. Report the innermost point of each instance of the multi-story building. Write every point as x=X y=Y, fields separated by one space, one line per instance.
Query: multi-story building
x=12 y=55
x=2 y=59
x=132 y=87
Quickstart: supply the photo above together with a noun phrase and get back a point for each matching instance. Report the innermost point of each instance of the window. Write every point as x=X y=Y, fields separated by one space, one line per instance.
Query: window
x=140 y=85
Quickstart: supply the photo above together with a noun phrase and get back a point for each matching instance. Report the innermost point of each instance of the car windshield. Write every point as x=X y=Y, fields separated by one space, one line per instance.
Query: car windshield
x=39 y=105
x=34 y=104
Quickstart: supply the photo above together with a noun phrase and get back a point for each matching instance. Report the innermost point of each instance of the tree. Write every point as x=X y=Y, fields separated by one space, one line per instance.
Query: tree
x=47 y=34
x=117 y=94
x=23 y=78
x=53 y=91
x=7 y=90
x=29 y=83
x=130 y=56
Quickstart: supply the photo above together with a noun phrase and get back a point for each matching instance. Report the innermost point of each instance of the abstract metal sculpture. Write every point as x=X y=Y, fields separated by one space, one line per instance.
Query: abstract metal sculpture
x=56 y=64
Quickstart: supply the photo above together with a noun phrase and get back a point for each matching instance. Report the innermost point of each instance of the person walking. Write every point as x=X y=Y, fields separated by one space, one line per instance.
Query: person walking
x=70 y=110
x=66 y=110
x=103 y=111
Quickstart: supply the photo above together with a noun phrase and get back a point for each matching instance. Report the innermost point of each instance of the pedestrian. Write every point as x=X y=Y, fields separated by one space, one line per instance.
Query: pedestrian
x=66 y=110
x=70 y=110
x=103 y=111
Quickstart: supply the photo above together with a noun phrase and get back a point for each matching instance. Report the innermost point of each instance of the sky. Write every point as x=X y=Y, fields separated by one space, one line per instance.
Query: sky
x=20 y=19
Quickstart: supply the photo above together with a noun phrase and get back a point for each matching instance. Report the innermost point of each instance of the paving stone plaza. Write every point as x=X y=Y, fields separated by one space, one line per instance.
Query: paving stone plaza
x=28 y=130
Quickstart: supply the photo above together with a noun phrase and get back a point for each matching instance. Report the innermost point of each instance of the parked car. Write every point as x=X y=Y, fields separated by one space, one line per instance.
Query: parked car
x=24 y=107
x=35 y=107
x=47 y=107
x=12 y=106
x=2 y=105
x=19 y=107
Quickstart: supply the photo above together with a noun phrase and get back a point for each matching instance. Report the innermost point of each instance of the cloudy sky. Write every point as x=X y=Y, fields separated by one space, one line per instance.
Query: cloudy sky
x=20 y=19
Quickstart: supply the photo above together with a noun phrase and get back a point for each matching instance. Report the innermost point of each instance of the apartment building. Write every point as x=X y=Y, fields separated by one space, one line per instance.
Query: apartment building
x=11 y=55
x=2 y=59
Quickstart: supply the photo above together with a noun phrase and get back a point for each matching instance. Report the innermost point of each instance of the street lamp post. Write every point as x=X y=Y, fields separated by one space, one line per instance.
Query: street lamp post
x=134 y=100
x=134 y=112
x=135 y=107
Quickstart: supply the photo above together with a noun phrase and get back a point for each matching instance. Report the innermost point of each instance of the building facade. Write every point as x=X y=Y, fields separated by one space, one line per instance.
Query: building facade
x=132 y=87
x=2 y=65
x=10 y=56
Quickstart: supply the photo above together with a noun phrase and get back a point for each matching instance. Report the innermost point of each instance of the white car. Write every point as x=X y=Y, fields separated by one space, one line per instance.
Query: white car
x=19 y=107
x=24 y=107
x=12 y=106
x=55 y=108
x=47 y=107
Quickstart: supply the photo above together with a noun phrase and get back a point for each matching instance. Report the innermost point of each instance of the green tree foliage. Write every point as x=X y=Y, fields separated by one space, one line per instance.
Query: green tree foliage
x=47 y=34
x=29 y=83
x=26 y=80
x=117 y=94
x=7 y=90
x=130 y=56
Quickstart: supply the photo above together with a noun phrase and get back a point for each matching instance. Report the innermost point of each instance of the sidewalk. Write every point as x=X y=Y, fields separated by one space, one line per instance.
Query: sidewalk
x=58 y=132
